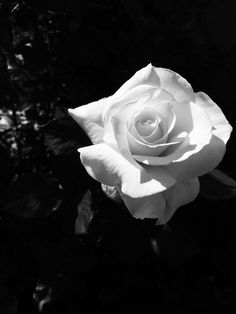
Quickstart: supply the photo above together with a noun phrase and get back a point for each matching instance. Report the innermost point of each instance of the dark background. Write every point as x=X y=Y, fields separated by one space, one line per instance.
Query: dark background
x=60 y=54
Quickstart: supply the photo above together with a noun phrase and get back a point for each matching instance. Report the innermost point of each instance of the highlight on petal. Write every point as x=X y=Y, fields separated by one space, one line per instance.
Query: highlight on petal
x=131 y=101
x=221 y=127
x=142 y=85
x=211 y=155
x=127 y=113
x=184 y=119
x=145 y=76
x=113 y=164
x=89 y=117
x=200 y=163
x=107 y=165
x=175 y=84
x=200 y=134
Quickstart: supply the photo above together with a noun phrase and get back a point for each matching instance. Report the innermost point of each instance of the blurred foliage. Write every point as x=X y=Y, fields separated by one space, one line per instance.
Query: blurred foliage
x=64 y=246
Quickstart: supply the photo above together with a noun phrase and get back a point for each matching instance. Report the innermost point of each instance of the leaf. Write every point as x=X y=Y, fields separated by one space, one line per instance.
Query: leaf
x=111 y=192
x=64 y=136
x=32 y=195
x=216 y=185
x=42 y=295
x=85 y=214
x=58 y=146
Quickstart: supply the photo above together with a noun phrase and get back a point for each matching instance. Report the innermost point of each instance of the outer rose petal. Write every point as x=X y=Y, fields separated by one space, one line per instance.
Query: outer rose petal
x=89 y=117
x=162 y=78
x=221 y=127
x=211 y=155
x=106 y=165
x=128 y=100
x=199 y=164
x=198 y=137
x=175 y=84
x=178 y=195
x=151 y=206
x=145 y=76
x=162 y=205
x=149 y=96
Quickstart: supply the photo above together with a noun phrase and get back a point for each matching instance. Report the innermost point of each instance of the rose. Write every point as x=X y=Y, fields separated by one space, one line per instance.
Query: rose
x=151 y=140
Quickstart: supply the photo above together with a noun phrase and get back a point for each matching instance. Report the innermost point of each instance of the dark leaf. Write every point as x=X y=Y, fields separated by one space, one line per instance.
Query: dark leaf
x=42 y=295
x=85 y=214
x=64 y=136
x=32 y=195
x=59 y=146
x=58 y=293
x=216 y=185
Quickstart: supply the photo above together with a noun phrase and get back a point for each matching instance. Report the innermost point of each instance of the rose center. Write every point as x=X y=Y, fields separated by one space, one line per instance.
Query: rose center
x=149 y=123
x=146 y=122
x=145 y=127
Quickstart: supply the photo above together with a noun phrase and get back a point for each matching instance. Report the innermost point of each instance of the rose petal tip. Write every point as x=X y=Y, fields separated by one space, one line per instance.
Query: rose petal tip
x=149 y=66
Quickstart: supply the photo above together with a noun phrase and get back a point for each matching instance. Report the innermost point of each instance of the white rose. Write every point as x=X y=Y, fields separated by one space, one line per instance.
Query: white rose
x=151 y=140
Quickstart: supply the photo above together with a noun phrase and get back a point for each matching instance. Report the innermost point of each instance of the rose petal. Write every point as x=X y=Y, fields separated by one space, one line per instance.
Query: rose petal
x=146 y=122
x=178 y=195
x=133 y=99
x=163 y=78
x=89 y=117
x=147 y=88
x=108 y=166
x=201 y=132
x=145 y=76
x=151 y=206
x=175 y=84
x=199 y=137
x=120 y=134
x=210 y=156
x=180 y=147
x=125 y=113
x=221 y=127
x=164 y=111
x=184 y=119
x=198 y=164
x=139 y=147
x=140 y=151
x=163 y=205
x=160 y=104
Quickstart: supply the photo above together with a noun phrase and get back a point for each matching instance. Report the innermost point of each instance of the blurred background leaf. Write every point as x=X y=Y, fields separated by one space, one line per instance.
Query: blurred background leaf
x=217 y=185
x=31 y=196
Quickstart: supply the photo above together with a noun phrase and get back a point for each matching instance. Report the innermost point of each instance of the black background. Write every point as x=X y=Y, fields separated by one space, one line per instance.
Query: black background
x=61 y=54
